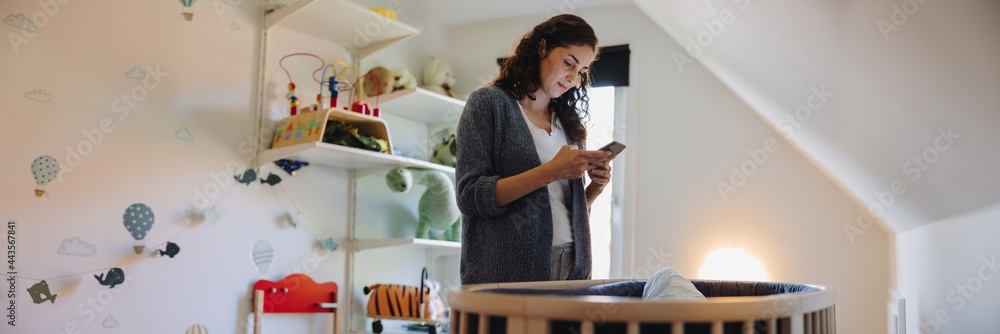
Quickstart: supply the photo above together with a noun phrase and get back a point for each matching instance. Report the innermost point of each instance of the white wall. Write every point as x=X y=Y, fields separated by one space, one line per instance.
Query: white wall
x=902 y=72
x=685 y=131
x=898 y=72
x=948 y=272
x=80 y=56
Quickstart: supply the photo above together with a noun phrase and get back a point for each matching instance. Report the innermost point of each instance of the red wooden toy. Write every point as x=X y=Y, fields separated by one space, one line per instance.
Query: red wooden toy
x=297 y=293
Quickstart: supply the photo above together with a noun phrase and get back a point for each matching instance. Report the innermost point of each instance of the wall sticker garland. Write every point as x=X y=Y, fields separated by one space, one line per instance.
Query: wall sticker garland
x=45 y=169
x=247 y=177
x=290 y=166
x=262 y=255
x=113 y=277
x=297 y=219
x=40 y=95
x=76 y=247
x=188 y=13
x=40 y=293
x=20 y=21
x=135 y=73
x=171 y=250
x=184 y=134
x=109 y=322
x=138 y=219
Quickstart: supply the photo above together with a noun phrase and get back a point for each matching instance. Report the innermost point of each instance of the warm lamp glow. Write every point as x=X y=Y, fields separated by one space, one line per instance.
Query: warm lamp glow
x=732 y=264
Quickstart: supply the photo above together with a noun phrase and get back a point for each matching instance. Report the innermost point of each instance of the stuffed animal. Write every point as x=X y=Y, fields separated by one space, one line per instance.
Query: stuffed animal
x=438 y=77
x=394 y=295
x=444 y=152
x=438 y=214
x=340 y=133
x=403 y=79
x=403 y=302
x=435 y=306
x=384 y=12
x=379 y=80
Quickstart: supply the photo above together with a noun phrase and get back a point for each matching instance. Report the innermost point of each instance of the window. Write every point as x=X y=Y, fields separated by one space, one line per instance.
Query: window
x=601 y=130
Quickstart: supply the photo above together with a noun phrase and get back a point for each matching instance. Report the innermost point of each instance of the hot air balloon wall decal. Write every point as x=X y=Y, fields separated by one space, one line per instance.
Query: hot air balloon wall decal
x=138 y=220
x=262 y=256
x=188 y=13
x=45 y=169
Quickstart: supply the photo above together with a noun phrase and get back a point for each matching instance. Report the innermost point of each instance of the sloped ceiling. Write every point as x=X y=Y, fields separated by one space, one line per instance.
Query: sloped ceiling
x=894 y=80
x=931 y=66
x=457 y=12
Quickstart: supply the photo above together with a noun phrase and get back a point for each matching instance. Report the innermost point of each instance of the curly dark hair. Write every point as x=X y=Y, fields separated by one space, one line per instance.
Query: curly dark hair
x=519 y=74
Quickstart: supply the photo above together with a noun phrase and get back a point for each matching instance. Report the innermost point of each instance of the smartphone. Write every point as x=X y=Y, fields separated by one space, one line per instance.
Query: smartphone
x=614 y=147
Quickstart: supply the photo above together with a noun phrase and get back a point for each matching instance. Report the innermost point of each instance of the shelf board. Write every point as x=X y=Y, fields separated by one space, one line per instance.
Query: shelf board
x=343 y=22
x=421 y=105
x=338 y=156
x=438 y=246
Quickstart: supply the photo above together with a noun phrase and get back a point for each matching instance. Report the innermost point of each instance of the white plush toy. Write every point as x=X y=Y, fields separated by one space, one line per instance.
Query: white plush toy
x=438 y=77
x=404 y=79
x=444 y=152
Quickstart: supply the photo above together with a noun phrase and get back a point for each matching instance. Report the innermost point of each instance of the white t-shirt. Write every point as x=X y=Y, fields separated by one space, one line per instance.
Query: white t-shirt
x=547 y=146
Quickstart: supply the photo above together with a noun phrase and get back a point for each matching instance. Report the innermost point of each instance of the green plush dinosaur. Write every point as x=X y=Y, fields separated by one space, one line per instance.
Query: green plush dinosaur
x=438 y=213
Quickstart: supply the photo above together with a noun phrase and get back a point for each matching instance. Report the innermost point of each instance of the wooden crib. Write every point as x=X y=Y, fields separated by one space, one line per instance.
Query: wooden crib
x=732 y=307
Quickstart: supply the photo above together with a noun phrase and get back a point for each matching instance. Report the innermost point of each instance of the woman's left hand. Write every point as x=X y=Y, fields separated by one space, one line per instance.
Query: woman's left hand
x=600 y=171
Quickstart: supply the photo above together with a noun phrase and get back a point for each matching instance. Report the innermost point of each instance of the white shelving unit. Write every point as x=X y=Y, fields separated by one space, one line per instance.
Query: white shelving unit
x=421 y=105
x=435 y=247
x=361 y=32
x=343 y=157
x=439 y=245
x=343 y=22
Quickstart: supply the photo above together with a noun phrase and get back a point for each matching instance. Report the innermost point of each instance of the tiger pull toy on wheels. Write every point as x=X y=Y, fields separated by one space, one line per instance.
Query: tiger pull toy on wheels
x=432 y=328
x=402 y=302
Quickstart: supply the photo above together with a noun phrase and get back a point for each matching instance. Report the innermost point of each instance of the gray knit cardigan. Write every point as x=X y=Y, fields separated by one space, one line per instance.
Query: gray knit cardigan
x=512 y=243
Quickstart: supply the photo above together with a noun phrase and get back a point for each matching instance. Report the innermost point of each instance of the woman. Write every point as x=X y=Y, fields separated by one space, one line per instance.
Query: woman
x=520 y=162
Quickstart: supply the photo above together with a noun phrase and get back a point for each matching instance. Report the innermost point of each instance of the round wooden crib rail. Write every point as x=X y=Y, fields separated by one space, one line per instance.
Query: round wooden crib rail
x=599 y=309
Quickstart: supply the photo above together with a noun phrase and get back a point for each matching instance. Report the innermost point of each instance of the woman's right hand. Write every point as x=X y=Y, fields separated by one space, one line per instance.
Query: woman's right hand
x=573 y=163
